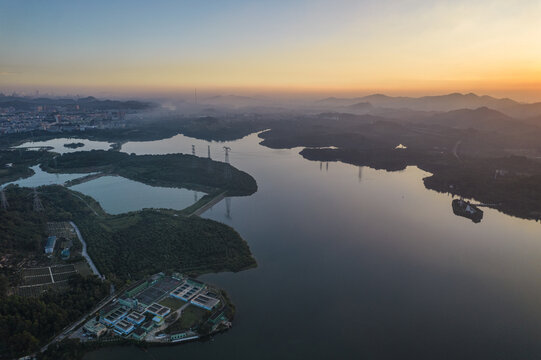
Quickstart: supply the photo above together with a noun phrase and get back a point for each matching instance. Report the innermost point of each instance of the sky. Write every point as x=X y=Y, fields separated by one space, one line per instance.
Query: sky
x=405 y=47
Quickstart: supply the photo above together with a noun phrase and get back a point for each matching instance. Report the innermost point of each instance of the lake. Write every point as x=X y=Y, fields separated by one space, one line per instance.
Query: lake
x=356 y=263
x=57 y=145
x=116 y=194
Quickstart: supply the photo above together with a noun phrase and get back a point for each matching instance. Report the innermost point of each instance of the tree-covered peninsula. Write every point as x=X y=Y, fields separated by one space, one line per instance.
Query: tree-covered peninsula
x=171 y=170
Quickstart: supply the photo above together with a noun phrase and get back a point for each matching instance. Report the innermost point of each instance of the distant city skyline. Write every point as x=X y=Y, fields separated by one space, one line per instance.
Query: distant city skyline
x=314 y=48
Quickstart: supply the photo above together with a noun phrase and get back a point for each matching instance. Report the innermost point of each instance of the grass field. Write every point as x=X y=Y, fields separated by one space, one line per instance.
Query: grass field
x=83 y=268
x=172 y=303
x=190 y=317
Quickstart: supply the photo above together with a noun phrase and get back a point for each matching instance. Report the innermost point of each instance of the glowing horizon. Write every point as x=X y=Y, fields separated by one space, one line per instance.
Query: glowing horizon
x=313 y=47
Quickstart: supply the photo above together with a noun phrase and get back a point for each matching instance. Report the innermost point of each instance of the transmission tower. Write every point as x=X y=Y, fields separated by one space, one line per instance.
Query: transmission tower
x=227 y=168
x=5 y=203
x=227 y=150
x=194 y=162
x=38 y=206
x=193 y=150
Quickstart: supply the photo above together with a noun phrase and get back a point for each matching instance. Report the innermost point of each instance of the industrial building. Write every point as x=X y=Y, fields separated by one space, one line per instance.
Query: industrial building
x=95 y=328
x=158 y=320
x=130 y=316
x=135 y=318
x=124 y=327
x=187 y=290
x=114 y=316
x=147 y=325
x=139 y=334
x=49 y=245
x=158 y=310
x=205 y=301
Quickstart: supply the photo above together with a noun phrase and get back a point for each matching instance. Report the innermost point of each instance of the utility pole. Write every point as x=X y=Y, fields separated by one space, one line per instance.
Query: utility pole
x=38 y=206
x=227 y=150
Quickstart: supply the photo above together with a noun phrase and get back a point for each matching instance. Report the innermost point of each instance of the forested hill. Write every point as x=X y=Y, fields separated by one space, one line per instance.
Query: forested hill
x=171 y=170
x=124 y=247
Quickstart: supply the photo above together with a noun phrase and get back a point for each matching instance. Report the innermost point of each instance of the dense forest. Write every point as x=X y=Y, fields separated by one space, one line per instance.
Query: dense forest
x=22 y=229
x=28 y=323
x=145 y=242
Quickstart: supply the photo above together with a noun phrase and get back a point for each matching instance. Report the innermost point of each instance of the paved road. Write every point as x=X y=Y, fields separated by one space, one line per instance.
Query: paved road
x=85 y=253
x=208 y=205
x=67 y=331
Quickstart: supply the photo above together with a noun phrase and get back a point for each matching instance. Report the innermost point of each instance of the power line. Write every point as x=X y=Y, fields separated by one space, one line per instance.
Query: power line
x=38 y=206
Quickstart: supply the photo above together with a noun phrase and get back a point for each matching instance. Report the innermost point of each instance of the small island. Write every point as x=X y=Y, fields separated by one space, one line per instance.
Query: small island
x=74 y=145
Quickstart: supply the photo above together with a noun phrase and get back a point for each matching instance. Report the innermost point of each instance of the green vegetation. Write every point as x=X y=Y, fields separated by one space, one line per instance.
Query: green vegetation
x=139 y=243
x=172 y=303
x=14 y=164
x=22 y=229
x=172 y=170
x=124 y=247
x=191 y=317
x=74 y=145
x=516 y=190
x=27 y=323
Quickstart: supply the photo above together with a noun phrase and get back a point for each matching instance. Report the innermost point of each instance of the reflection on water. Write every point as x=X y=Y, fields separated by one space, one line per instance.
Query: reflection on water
x=119 y=195
x=41 y=177
x=378 y=269
x=58 y=145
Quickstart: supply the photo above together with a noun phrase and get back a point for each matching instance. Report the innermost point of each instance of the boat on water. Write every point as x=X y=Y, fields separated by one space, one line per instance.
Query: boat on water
x=466 y=209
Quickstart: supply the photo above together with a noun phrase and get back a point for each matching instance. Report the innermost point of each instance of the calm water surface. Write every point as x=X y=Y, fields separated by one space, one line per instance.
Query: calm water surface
x=58 y=145
x=356 y=263
x=41 y=177
x=119 y=195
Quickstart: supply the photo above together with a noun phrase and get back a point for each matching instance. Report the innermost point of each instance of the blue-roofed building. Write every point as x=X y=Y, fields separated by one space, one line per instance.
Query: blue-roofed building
x=49 y=245
x=123 y=327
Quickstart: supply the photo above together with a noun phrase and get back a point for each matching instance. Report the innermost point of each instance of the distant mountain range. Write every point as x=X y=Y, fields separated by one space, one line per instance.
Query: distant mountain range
x=87 y=103
x=440 y=103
